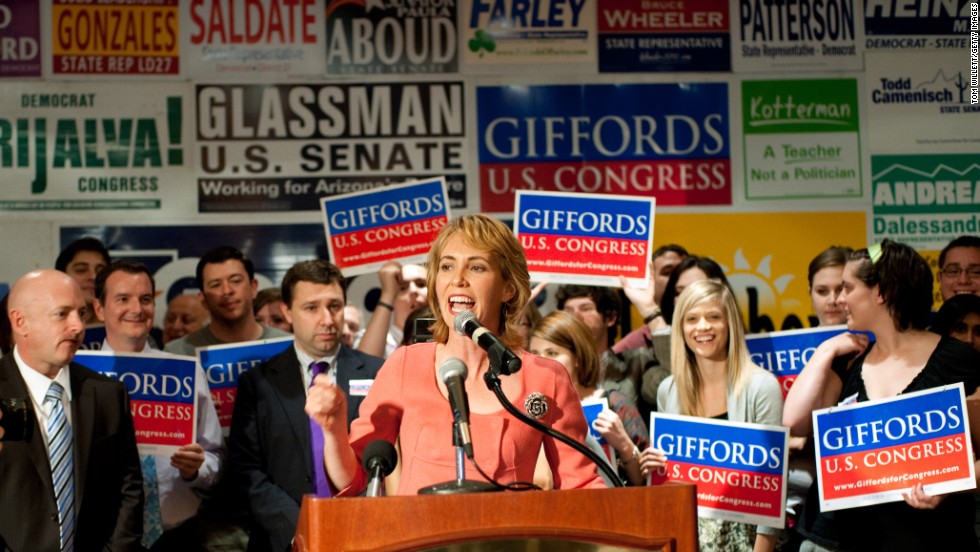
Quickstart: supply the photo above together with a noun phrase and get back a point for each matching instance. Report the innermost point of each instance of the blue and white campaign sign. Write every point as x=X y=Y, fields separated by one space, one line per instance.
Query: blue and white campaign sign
x=223 y=364
x=786 y=353
x=571 y=238
x=397 y=223
x=669 y=141
x=739 y=468
x=161 y=393
x=592 y=408
x=871 y=452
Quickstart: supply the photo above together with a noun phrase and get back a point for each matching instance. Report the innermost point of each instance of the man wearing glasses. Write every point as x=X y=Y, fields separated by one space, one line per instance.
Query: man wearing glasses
x=959 y=267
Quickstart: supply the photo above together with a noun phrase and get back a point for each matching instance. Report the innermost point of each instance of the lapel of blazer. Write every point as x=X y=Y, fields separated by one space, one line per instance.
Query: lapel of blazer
x=83 y=405
x=285 y=378
x=12 y=385
x=348 y=366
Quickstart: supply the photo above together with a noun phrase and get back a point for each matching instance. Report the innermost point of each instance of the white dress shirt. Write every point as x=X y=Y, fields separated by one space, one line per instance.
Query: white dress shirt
x=306 y=360
x=179 y=500
x=37 y=386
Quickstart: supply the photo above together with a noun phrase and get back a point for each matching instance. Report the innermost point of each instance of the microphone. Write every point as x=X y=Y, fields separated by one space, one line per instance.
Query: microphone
x=379 y=461
x=453 y=374
x=502 y=359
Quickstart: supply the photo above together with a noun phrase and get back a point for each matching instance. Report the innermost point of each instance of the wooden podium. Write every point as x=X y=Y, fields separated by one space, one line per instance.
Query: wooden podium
x=662 y=517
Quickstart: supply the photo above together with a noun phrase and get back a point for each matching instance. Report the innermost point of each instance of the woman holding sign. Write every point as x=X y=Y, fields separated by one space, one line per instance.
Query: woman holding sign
x=712 y=376
x=887 y=291
x=563 y=337
x=477 y=265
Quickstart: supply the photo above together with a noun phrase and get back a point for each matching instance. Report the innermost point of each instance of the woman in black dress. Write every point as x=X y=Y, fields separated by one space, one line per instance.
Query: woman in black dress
x=888 y=292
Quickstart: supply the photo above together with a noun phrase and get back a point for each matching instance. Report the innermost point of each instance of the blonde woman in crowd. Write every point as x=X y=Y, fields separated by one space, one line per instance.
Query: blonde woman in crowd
x=712 y=376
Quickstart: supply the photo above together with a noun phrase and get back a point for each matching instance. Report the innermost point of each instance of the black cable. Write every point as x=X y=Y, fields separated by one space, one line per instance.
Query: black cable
x=513 y=486
x=493 y=383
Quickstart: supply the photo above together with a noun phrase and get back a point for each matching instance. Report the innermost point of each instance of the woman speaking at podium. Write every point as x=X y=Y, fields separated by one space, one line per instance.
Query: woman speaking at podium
x=475 y=264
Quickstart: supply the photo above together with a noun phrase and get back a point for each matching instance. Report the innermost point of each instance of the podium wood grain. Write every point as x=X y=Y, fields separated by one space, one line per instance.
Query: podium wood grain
x=647 y=518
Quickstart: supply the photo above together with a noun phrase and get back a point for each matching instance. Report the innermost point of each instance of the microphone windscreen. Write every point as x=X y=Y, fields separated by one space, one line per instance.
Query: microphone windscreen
x=381 y=451
x=452 y=366
x=459 y=323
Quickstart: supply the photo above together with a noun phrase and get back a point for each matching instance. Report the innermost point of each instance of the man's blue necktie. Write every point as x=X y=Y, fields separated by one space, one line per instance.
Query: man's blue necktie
x=60 y=451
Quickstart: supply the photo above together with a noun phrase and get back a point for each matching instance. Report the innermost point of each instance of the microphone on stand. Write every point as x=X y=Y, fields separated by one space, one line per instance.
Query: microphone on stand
x=379 y=461
x=453 y=374
x=502 y=359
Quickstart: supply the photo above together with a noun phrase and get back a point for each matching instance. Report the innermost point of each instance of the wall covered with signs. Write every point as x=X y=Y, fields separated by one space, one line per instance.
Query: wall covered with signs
x=765 y=131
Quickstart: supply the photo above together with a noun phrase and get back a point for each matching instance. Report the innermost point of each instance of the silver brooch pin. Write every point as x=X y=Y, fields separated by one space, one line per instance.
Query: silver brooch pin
x=536 y=405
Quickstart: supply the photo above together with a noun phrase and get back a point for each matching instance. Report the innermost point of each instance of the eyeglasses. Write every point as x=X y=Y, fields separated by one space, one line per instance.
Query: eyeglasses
x=954 y=271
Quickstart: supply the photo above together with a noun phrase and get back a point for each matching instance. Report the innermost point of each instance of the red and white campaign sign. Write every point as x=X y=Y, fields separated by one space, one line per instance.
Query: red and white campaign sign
x=396 y=223
x=739 y=468
x=871 y=452
x=587 y=239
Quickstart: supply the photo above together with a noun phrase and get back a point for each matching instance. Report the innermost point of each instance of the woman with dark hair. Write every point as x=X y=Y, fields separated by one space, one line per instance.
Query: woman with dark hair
x=959 y=318
x=825 y=278
x=475 y=264
x=887 y=291
x=688 y=271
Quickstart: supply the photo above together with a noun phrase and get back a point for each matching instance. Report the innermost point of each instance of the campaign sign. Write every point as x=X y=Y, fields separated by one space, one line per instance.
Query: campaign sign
x=94 y=337
x=871 y=452
x=739 y=468
x=397 y=223
x=786 y=353
x=669 y=141
x=222 y=364
x=571 y=238
x=592 y=408
x=161 y=395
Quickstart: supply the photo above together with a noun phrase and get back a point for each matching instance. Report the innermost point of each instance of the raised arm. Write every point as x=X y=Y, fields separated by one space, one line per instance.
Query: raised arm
x=645 y=302
x=818 y=386
x=375 y=336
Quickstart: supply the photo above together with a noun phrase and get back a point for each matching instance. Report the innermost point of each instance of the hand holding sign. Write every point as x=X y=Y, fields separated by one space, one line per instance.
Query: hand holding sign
x=610 y=426
x=917 y=498
x=652 y=460
x=188 y=460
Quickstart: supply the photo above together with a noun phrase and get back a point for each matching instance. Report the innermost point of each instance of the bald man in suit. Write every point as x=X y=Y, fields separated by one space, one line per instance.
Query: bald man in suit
x=47 y=310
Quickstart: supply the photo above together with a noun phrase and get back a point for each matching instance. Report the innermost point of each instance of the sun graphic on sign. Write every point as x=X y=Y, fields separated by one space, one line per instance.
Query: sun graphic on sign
x=768 y=291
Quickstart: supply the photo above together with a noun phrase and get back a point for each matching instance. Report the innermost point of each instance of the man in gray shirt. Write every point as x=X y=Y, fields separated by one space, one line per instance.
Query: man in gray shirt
x=228 y=287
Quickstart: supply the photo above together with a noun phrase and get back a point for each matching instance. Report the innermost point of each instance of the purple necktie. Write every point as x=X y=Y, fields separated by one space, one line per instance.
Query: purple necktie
x=316 y=439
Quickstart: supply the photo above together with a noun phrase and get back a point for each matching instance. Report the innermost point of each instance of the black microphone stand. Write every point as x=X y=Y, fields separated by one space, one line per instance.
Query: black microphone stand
x=460 y=485
x=492 y=379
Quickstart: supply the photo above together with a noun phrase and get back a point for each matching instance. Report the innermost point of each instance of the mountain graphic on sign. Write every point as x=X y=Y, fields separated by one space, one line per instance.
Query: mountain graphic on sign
x=931 y=175
x=941 y=76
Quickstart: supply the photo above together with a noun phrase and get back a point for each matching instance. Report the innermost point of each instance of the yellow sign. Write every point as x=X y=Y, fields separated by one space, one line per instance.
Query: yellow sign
x=765 y=256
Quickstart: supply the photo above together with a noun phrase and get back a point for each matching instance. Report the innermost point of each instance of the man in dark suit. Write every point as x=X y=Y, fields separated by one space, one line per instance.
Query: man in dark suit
x=270 y=446
x=102 y=500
